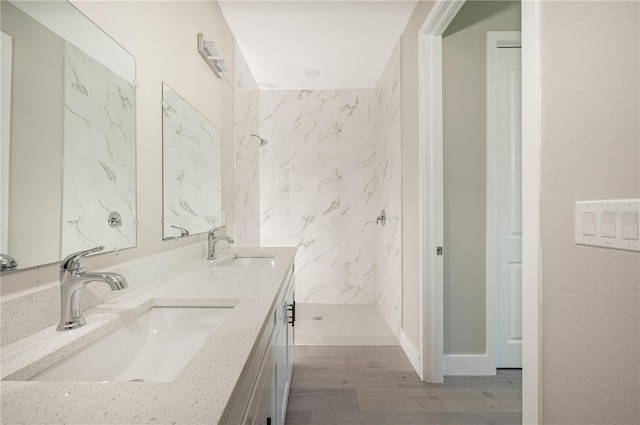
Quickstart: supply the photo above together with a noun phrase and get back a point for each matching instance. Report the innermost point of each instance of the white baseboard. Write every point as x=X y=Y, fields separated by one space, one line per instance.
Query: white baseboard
x=412 y=353
x=469 y=364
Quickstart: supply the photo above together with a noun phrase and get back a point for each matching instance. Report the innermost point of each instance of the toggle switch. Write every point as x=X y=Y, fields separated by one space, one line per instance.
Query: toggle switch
x=589 y=223
x=608 y=224
x=629 y=225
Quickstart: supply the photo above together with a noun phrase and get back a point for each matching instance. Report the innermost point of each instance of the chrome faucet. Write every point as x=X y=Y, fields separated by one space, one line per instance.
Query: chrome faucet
x=7 y=263
x=73 y=279
x=183 y=231
x=213 y=241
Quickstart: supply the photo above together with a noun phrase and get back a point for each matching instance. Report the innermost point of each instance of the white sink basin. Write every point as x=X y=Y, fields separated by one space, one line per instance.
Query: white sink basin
x=248 y=262
x=154 y=347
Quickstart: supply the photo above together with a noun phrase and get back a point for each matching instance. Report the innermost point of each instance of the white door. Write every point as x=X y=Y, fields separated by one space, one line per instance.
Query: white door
x=505 y=196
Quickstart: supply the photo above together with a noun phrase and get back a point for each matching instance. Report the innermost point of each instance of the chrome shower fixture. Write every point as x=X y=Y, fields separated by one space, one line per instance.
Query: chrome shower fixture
x=262 y=141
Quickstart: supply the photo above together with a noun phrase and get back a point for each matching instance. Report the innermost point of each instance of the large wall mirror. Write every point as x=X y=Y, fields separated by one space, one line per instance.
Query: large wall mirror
x=68 y=158
x=191 y=168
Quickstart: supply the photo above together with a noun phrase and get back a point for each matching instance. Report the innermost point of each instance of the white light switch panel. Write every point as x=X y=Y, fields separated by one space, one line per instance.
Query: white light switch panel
x=608 y=224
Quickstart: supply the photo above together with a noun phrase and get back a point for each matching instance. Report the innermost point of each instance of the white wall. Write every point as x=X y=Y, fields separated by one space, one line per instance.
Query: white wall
x=464 y=75
x=590 y=150
x=37 y=53
x=162 y=37
x=590 y=296
x=410 y=178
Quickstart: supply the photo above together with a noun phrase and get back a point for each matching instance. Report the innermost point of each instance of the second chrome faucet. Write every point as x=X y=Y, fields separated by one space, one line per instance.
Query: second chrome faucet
x=213 y=241
x=73 y=279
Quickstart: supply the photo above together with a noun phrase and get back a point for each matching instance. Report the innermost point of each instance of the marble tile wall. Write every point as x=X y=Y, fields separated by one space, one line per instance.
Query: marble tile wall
x=388 y=290
x=192 y=176
x=99 y=155
x=247 y=153
x=318 y=189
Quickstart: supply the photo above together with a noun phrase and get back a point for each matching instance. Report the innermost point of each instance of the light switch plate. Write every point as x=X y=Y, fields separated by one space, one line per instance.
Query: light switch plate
x=630 y=225
x=616 y=224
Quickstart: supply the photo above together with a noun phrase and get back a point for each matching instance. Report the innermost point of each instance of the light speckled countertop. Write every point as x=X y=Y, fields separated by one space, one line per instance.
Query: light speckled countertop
x=201 y=391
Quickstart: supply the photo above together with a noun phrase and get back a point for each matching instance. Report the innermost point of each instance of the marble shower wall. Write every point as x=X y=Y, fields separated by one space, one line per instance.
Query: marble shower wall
x=99 y=155
x=318 y=189
x=247 y=153
x=191 y=169
x=389 y=177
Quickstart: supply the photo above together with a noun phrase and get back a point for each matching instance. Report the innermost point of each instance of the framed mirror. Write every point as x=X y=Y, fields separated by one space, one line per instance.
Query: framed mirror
x=68 y=135
x=192 y=182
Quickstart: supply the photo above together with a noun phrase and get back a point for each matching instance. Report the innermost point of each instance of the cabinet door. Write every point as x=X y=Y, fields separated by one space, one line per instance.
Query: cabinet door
x=283 y=359
x=287 y=343
x=289 y=327
x=272 y=408
x=267 y=406
x=280 y=372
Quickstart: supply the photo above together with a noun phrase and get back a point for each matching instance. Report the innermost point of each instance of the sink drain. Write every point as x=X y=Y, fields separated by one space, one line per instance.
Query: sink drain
x=136 y=380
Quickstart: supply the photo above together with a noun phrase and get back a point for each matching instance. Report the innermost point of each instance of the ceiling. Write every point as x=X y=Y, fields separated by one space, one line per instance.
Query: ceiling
x=317 y=45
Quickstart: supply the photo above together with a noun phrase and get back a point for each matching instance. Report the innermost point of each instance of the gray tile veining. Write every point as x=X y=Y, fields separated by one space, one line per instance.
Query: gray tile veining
x=332 y=162
x=192 y=197
x=246 y=122
x=99 y=155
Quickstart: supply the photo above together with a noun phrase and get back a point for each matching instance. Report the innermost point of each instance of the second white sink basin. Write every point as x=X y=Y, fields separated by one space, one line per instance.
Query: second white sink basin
x=247 y=262
x=155 y=347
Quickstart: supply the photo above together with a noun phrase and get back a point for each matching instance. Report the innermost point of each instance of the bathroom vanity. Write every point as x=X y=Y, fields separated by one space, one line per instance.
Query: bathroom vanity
x=110 y=371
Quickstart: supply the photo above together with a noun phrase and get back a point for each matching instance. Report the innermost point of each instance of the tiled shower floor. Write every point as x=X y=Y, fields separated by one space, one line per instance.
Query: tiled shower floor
x=341 y=324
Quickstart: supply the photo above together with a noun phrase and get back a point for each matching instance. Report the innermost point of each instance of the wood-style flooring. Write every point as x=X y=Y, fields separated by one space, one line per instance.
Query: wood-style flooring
x=376 y=385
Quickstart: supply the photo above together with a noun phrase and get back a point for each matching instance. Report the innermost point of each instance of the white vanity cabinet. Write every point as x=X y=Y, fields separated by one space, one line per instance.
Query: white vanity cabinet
x=264 y=390
x=284 y=350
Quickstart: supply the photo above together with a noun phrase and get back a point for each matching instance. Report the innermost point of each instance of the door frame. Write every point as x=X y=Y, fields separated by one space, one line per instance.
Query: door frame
x=6 y=41
x=431 y=300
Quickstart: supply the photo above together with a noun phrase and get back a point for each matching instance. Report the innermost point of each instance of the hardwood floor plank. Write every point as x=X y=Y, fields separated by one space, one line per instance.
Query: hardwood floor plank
x=322 y=399
x=440 y=400
x=314 y=377
x=410 y=380
x=357 y=385
x=411 y=418
x=356 y=350
x=298 y=417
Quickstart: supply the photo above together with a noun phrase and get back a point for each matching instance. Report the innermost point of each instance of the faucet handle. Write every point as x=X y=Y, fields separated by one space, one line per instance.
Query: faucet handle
x=213 y=231
x=183 y=231
x=75 y=261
